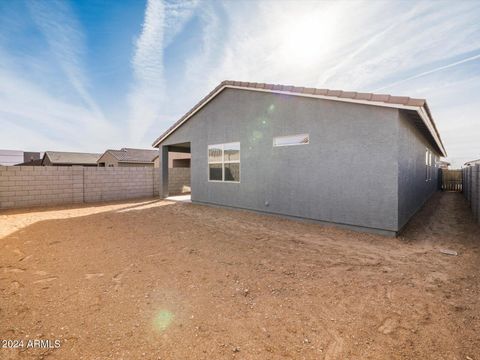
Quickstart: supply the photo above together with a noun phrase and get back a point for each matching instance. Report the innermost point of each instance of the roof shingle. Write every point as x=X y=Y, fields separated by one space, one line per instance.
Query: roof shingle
x=134 y=155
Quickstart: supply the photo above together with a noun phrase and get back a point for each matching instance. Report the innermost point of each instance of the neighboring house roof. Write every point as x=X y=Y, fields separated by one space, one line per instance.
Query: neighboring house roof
x=133 y=155
x=36 y=162
x=473 y=162
x=71 y=158
x=418 y=106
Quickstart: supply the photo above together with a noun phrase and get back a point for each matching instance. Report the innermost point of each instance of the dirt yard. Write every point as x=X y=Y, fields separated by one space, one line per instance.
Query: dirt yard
x=163 y=280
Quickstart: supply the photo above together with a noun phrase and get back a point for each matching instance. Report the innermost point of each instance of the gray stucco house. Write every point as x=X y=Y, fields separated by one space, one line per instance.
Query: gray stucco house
x=360 y=160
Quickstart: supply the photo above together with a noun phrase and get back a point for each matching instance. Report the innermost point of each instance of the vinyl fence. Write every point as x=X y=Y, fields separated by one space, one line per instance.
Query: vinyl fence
x=471 y=188
x=27 y=186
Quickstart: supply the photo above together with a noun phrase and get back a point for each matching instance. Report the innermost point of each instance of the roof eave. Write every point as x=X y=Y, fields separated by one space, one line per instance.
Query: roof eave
x=422 y=110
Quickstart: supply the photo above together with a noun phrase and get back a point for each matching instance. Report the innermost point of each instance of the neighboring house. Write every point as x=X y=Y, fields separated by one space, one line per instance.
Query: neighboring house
x=31 y=159
x=363 y=160
x=18 y=157
x=442 y=164
x=175 y=160
x=472 y=163
x=36 y=162
x=63 y=158
x=140 y=157
x=128 y=157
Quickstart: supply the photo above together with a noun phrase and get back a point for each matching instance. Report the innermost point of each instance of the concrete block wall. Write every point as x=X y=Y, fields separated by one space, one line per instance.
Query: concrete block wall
x=24 y=186
x=27 y=186
x=156 y=181
x=117 y=183
x=471 y=178
x=178 y=180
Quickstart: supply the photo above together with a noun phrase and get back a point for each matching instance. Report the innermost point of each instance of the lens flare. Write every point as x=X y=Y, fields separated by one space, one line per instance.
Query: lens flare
x=162 y=320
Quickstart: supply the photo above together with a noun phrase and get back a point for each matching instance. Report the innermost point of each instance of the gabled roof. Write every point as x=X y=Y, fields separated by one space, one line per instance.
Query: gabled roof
x=71 y=158
x=133 y=155
x=36 y=162
x=419 y=106
x=472 y=162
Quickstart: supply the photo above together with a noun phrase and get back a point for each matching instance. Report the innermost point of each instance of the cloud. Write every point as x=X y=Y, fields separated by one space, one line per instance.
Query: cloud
x=210 y=45
x=425 y=73
x=38 y=109
x=148 y=91
x=350 y=45
x=34 y=119
x=177 y=14
x=424 y=49
x=67 y=43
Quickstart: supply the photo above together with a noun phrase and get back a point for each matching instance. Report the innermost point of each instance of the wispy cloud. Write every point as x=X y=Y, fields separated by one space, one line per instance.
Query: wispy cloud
x=429 y=72
x=66 y=40
x=32 y=118
x=351 y=45
x=149 y=89
x=422 y=49
x=177 y=14
x=36 y=110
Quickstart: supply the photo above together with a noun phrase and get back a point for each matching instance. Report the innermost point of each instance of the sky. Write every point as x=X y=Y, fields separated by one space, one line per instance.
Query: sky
x=98 y=74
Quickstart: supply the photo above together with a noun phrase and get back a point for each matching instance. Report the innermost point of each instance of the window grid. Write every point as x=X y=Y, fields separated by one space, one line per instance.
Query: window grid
x=223 y=162
x=429 y=160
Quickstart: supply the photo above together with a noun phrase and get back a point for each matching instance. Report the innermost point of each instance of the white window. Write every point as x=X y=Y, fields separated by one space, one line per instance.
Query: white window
x=224 y=162
x=300 y=139
x=428 y=165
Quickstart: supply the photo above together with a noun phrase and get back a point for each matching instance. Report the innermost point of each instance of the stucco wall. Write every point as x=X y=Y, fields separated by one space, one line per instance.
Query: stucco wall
x=347 y=174
x=413 y=188
x=108 y=159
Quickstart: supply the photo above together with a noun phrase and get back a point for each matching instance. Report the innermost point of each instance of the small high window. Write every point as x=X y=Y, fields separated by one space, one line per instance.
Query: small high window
x=300 y=139
x=224 y=162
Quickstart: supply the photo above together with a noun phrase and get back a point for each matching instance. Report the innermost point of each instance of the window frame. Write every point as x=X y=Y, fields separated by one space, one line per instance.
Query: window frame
x=286 y=136
x=223 y=162
x=429 y=164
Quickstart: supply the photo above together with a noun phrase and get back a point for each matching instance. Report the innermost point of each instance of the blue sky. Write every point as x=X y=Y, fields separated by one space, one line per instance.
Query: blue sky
x=91 y=75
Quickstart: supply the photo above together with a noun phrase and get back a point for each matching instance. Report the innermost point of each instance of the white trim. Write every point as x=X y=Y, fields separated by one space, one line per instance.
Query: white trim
x=428 y=123
x=287 y=136
x=419 y=109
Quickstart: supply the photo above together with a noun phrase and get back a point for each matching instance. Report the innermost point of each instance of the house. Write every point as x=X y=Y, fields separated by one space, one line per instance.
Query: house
x=360 y=160
x=140 y=157
x=443 y=164
x=472 y=163
x=175 y=160
x=63 y=158
x=33 y=162
x=31 y=159
x=127 y=157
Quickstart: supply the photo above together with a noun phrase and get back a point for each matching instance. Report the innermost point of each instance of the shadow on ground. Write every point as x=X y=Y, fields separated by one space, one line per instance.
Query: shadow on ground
x=189 y=281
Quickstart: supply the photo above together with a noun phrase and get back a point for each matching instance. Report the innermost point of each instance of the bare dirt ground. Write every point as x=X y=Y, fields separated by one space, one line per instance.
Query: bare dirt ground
x=163 y=280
